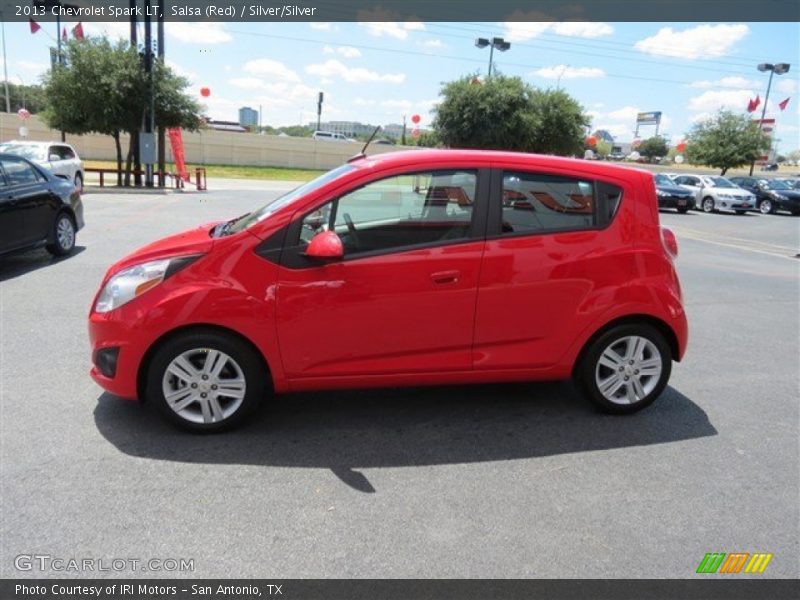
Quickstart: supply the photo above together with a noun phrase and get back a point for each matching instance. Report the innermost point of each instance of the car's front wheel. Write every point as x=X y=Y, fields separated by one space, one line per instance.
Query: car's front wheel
x=708 y=204
x=766 y=207
x=626 y=368
x=683 y=209
x=206 y=380
x=63 y=235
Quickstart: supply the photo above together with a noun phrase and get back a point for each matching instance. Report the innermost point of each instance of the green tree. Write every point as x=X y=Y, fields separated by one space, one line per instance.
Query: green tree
x=103 y=89
x=505 y=113
x=31 y=97
x=602 y=148
x=725 y=141
x=653 y=147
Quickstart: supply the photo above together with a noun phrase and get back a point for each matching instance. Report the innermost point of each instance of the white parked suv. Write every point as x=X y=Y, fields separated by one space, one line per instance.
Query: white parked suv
x=61 y=159
x=713 y=193
x=331 y=136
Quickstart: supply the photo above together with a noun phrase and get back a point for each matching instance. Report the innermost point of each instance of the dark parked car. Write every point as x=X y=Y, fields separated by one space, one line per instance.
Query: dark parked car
x=792 y=182
x=671 y=195
x=37 y=208
x=772 y=195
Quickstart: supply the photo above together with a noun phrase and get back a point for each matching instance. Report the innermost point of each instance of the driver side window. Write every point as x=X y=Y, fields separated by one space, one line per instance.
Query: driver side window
x=404 y=210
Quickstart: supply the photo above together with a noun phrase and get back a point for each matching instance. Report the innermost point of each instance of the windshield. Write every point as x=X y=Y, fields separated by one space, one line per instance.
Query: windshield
x=262 y=213
x=30 y=152
x=721 y=182
x=774 y=184
x=663 y=180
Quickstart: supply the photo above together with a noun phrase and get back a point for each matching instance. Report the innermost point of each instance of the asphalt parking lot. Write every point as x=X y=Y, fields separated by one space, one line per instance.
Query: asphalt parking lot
x=487 y=481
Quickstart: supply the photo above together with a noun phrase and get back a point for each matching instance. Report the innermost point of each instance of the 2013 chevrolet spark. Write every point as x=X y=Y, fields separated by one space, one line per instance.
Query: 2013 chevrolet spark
x=409 y=268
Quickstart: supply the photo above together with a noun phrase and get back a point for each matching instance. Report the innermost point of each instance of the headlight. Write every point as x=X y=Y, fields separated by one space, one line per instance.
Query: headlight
x=136 y=280
x=728 y=196
x=661 y=194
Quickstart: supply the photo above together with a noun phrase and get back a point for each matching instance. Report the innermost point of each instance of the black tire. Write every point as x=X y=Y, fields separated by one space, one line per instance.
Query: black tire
x=247 y=360
x=63 y=240
x=79 y=182
x=741 y=212
x=766 y=207
x=586 y=369
x=683 y=210
x=796 y=213
x=708 y=205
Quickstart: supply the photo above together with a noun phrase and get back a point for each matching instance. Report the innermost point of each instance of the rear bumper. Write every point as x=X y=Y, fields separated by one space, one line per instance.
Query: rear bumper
x=675 y=202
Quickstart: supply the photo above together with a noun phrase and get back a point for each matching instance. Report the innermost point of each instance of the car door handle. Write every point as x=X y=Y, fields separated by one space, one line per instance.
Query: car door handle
x=443 y=277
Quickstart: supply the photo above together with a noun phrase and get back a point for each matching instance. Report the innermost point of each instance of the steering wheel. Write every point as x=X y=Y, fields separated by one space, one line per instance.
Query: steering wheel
x=352 y=229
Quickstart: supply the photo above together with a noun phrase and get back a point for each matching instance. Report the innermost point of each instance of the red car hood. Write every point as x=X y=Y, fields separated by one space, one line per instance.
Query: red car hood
x=192 y=241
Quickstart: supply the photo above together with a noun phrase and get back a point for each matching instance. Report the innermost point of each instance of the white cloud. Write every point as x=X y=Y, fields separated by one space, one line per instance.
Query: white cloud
x=712 y=100
x=197 y=33
x=737 y=83
x=334 y=68
x=397 y=104
x=321 y=26
x=620 y=131
x=523 y=26
x=345 y=51
x=626 y=113
x=395 y=29
x=433 y=43
x=31 y=71
x=567 y=72
x=179 y=70
x=787 y=86
x=707 y=41
x=270 y=68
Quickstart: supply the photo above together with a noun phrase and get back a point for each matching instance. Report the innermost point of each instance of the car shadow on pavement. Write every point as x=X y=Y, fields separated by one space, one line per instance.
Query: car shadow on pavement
x=14 y=265
x=349 y=430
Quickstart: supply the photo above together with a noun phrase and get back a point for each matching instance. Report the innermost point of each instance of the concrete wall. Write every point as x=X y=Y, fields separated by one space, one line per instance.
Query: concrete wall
x=209 y=147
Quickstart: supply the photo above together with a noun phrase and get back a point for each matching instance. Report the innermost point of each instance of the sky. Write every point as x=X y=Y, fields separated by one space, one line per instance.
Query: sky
x=377 y=72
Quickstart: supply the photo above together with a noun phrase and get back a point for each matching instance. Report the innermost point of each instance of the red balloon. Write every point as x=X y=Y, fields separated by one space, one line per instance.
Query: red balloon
x=415 y=133
x=591 y=140
x=416 y=119
x=681 y=147
x=636 y=143
x=205 y=92
x=23 y=114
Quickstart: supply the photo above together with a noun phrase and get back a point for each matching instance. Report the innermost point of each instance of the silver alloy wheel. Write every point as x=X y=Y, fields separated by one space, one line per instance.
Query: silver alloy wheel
x=708 y=205
x=765 y=207
x=204 y=385
x=65 y=232
x=628 y=370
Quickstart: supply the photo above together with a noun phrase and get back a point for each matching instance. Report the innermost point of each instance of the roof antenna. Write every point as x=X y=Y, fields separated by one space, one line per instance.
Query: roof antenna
x=363 y=152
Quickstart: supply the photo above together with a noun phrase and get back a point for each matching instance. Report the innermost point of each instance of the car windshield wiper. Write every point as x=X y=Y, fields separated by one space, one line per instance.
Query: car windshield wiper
x=225 y=228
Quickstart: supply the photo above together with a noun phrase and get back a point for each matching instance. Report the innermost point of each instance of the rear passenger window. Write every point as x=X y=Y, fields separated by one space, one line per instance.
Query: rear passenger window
x=535 y=203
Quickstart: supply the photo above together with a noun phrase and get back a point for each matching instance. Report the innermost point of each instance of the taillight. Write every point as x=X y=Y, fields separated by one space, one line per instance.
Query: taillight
x=670 y=243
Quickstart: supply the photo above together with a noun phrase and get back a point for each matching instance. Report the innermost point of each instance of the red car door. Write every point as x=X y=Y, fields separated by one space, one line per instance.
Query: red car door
x=402 y=299
x=547 y=250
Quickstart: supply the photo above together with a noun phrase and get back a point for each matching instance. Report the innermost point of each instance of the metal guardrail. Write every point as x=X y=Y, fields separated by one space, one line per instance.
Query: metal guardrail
x=177 y=181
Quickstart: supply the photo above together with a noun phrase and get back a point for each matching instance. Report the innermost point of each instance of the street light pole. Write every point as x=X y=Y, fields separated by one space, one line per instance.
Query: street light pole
x=5 y=63
x=777 y=69
x=498 y=43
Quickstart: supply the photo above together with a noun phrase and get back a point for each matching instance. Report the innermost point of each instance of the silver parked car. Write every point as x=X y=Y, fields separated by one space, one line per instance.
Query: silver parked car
x=59 y=158
x=713 y=193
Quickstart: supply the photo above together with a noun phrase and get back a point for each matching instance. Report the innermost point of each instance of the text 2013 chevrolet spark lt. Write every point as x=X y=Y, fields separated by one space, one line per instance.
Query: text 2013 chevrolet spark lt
x=409 y=268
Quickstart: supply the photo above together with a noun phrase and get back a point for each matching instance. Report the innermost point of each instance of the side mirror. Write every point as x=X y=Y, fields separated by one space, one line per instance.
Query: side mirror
x=326 y=245
x=54 y=158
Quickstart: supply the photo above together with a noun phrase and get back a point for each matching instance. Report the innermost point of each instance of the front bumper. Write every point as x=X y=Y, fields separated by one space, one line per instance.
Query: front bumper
x=118 y=348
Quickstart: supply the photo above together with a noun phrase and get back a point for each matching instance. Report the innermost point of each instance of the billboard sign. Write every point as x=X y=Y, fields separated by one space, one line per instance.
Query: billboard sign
x=648 y=118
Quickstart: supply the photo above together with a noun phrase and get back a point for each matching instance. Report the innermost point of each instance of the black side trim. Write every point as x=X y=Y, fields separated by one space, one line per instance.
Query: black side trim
x=272 y=247
x=177 y=264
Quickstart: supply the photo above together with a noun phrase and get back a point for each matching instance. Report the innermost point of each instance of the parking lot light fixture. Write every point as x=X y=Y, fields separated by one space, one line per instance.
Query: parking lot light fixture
x=496 y=43
x=777 y=69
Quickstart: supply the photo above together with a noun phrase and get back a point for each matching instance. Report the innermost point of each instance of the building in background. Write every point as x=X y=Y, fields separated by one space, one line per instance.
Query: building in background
x=349 y=129
x=248 y=117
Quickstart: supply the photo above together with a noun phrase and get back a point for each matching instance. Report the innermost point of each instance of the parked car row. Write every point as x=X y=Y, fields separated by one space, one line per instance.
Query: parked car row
x=711 y=193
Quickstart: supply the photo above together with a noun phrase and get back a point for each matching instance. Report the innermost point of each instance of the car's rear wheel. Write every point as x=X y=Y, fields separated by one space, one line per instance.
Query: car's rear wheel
x=708 y=204
x=206 y=381
x=626 y=368
x=766 y=207
x=683 y=209
x=63 y=235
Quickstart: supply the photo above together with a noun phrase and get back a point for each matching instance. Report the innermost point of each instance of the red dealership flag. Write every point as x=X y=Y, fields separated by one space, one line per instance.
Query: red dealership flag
x=756 y=102
x=751 y=105
x=784 y=104
x=176 y=141
x=64 y=34
x=34 y=26
x=77 y=32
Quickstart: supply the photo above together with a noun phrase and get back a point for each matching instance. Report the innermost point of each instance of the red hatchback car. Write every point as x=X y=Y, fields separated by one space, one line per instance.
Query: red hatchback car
x=410 y=268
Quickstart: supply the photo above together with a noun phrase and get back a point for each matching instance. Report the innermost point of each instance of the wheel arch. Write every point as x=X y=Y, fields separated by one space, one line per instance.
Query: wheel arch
x=64 y=209
x=662 y=327
x=144 y=364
